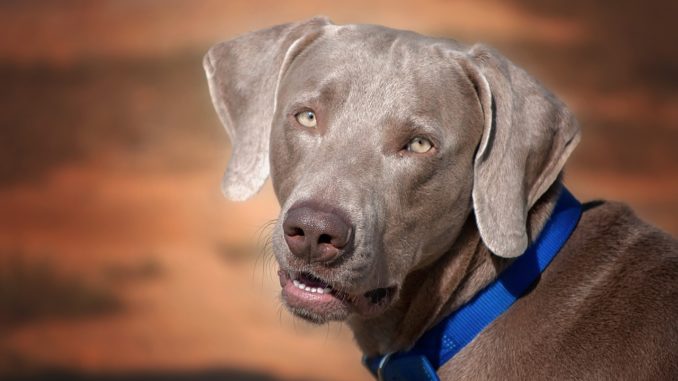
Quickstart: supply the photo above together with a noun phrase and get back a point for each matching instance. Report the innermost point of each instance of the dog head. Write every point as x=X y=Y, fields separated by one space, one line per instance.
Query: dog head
x=381 y=144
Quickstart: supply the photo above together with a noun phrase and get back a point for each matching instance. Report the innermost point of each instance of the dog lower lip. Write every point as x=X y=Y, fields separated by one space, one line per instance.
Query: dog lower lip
x=317 y=300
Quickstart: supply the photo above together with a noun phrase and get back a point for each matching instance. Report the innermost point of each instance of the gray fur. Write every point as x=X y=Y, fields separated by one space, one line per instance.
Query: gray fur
x=438 y=227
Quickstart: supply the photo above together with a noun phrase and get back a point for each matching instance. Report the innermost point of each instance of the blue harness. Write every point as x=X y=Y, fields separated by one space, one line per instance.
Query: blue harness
x=448 y=337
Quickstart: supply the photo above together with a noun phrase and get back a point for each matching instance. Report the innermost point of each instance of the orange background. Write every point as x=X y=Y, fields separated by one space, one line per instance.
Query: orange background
x=118 y=255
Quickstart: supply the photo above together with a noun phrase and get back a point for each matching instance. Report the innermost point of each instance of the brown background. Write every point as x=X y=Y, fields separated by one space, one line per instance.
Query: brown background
x=118 y=255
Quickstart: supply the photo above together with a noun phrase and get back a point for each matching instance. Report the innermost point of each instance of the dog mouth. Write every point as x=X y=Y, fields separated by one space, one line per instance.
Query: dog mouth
x=318 y=301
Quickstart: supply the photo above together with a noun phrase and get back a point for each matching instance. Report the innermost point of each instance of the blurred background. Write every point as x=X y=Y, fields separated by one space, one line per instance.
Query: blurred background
x=120 y=260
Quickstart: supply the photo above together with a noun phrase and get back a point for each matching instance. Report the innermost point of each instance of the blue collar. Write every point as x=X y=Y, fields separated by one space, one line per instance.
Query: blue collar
x=448 y=337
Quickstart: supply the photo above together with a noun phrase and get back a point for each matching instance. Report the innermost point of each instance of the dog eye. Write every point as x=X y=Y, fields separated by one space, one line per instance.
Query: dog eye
x=307 y=119
x=419 y=145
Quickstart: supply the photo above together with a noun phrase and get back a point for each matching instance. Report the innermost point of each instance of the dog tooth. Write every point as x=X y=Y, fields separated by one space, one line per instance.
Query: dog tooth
x=314 y=289
x=296 y=282
x=307 y=288
x=319 y=290
x=327 y=290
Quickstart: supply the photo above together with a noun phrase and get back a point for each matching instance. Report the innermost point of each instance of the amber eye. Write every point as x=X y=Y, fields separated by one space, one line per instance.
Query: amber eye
x=419 y=145
x=307 y=119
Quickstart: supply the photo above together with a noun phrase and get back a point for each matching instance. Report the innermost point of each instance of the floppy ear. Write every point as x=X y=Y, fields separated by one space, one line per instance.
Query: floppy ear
x=528 y=135
x=243 y=74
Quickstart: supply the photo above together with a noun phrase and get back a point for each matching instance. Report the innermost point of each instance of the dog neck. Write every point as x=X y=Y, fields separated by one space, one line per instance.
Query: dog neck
x=430 y=294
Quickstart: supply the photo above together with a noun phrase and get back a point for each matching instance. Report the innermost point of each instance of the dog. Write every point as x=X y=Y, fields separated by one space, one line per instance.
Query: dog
x=412 y=172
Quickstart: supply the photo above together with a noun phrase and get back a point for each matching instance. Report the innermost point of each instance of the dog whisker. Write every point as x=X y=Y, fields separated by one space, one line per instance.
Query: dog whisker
x=264 y=245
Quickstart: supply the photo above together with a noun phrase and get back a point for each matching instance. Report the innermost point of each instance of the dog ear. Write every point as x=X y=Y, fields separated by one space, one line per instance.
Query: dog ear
x=528 y=135
x=243 y=74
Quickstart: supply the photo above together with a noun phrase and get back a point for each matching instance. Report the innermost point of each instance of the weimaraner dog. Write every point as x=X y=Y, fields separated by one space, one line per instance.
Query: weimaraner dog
x=413 y=173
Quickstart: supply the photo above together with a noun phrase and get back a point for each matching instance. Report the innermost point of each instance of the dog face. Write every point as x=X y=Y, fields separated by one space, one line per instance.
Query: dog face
x=385 y=141
x=380 y=145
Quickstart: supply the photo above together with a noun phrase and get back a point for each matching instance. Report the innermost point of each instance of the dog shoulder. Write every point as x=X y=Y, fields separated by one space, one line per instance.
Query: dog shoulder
x=604 y=309
x=620 y=255
x=623 y=282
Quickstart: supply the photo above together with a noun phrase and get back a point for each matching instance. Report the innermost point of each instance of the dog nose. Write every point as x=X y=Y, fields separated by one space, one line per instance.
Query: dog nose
x=315 y=235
